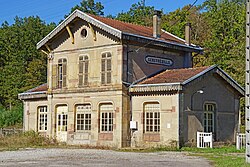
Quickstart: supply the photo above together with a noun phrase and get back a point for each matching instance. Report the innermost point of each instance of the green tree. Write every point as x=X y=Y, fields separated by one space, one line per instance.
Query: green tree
x=89 y=6
x=22 y=66
x=138 y=14
x=226 y=43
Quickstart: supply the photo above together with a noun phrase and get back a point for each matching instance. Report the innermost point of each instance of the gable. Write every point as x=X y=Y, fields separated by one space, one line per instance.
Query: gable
x=79 y=28
x=121 y=31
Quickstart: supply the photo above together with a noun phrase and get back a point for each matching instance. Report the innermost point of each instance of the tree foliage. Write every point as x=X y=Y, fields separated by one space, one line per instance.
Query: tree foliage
x=22 y=66
x=138 y=14
x=89 y=6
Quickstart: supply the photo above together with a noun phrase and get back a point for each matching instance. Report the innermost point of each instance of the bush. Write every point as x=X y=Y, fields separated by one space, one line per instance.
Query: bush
x=11 y=117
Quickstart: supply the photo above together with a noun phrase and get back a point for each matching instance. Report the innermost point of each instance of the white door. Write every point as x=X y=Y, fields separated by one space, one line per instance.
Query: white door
x=62 y=120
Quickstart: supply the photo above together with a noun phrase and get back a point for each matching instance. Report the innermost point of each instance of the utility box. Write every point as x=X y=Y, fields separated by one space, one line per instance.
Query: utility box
x=133 y=125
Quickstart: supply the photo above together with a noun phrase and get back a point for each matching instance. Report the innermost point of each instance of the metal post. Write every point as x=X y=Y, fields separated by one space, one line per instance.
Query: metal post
x=247 y=86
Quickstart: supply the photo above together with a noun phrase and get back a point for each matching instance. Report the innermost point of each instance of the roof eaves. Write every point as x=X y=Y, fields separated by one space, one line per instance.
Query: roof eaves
x=231 y=81
x=162 y=87
x=177 y=37
x=181 y=46
x=86 y=17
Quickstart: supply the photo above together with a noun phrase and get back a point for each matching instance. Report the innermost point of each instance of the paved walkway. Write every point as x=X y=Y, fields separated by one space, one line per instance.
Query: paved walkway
x=93 y=158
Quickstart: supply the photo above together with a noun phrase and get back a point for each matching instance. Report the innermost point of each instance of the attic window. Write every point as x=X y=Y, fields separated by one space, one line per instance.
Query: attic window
x=84 y=33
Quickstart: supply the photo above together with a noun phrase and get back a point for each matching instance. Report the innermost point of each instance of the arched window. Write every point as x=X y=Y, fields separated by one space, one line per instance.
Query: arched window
x=106 y=117
x=106 y=68
x=152 y=117
x=83 y=117
x=83 y=70
x=208 y=121
x=42 y=118
x=62 y=73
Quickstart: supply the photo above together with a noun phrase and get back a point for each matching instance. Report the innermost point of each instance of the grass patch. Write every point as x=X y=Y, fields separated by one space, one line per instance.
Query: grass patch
x=220 y=157
x=29 y=139
x=226 y=156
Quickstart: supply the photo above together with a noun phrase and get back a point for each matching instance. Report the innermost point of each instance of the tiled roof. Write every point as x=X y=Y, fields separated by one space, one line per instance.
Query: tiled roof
x=174 y=76
x=136 y=29
x=40 y=88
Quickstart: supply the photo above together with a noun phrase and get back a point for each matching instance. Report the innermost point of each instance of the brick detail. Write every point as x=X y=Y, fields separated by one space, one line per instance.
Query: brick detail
x=149 y=137
x=105 y=136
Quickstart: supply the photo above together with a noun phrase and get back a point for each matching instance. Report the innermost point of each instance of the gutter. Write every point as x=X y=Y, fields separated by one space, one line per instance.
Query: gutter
x=188 y=48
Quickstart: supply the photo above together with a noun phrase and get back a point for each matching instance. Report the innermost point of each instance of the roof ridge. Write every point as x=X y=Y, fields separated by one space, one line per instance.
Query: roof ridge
x=120 y=21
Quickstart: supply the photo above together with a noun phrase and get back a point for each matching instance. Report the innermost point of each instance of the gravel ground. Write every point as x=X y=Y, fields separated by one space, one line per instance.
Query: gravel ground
x=91 y=157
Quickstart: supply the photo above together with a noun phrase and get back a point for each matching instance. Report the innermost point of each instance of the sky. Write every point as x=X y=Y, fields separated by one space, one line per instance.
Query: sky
x=54 y=10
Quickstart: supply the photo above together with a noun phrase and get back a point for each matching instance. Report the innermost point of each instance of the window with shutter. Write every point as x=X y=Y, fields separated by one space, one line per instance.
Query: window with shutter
x=62 y=73
x=83 y=70
x=106 y=68
x=54 y=76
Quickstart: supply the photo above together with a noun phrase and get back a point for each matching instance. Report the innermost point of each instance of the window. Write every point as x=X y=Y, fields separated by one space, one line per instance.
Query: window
x=84 y=33
x=42 y=118
x=62 y=71
x=83 y=70
x=208 y=121
x=83 y=117
x=106 y=68
x=152 y=117
x=106 y=118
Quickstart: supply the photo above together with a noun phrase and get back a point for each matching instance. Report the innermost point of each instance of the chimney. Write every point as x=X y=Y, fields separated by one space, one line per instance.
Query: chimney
x=157 y=24
x=188 y=33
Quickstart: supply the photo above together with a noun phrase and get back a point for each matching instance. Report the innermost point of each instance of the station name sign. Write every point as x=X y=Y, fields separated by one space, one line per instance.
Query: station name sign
x=159 y=61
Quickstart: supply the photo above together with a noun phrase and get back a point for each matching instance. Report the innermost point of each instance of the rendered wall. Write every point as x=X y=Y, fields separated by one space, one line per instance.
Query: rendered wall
x=169 y=119
x=225 y=98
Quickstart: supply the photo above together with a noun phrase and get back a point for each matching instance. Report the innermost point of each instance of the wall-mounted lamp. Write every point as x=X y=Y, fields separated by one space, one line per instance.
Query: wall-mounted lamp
x=192 y=96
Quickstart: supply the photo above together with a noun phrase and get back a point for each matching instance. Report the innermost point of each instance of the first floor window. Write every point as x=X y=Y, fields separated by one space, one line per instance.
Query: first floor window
x=106 y=68
x=42 y=118
x=83 y=70
x=83 y=117
x=62 y=72
x=208 y=121
x=152 y=117
x=106 y=118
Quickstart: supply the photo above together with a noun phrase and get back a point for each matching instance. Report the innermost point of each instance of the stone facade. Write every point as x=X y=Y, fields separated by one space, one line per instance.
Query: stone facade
x=94 y=67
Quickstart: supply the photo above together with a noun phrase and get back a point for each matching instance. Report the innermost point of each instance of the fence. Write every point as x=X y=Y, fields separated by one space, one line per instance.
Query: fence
x=240 y=140
x=204 y=140
x=6 y=132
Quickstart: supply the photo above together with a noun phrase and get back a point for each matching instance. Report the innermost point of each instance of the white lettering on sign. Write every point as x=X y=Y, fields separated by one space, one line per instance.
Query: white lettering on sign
x=159 y=61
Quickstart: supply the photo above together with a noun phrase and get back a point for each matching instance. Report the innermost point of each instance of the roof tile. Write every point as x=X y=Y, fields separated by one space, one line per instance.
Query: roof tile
x=136 y=29
x=174 y=76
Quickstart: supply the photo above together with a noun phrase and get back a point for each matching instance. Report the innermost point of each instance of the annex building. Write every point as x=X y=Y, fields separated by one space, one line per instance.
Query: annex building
x=117 y=84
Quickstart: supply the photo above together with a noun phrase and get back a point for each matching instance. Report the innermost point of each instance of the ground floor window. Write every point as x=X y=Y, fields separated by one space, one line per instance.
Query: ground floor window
x=208 y=121
x=83 y=117
x=42 y=118
x=106 y=117
x=152 y=117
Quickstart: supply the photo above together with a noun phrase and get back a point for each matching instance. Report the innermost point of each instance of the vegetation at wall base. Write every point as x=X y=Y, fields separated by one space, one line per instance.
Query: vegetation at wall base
x=28 y=139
